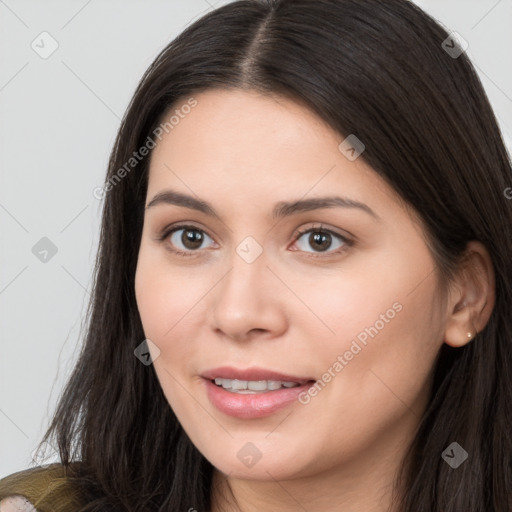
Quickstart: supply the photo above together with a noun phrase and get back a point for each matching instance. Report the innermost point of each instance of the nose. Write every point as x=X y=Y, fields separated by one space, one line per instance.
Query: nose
x=248 y=301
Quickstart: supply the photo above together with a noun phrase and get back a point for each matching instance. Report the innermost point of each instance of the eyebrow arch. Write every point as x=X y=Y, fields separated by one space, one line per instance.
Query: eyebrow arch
x=281 y=209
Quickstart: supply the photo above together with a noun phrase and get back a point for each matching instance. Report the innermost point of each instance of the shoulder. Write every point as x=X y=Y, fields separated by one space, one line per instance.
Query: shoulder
x=39 y=489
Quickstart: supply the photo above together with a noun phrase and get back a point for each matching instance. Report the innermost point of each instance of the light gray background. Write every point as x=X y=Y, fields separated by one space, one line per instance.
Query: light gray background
x=58 y=120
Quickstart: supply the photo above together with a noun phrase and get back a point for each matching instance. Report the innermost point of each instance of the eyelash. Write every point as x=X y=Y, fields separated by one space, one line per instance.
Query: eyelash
x=166 y=232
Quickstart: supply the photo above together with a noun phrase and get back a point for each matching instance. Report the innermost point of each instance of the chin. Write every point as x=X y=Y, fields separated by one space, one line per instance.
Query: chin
x=247 y=464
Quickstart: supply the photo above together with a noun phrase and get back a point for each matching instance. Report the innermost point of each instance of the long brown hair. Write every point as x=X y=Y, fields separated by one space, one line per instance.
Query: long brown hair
x=376 y=69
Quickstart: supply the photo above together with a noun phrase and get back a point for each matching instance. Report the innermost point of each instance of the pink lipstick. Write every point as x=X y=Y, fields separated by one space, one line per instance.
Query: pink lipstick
x=253 y=392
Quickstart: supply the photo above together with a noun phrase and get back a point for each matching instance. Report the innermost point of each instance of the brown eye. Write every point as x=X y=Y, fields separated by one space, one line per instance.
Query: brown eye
x=184 y=240
x=321 y=240
x=191 y=238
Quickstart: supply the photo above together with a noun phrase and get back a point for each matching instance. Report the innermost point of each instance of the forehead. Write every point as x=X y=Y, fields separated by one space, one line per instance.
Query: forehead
x=240 y=125
x=253 y=147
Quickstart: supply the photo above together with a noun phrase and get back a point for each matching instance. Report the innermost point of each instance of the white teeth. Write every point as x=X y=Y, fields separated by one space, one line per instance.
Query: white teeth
x=239 y=384
x=236 y=385
x=274 y=384
x=257 y=385
x=226 y=383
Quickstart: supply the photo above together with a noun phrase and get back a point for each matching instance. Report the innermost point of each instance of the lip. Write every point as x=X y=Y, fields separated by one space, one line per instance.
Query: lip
x=254 y=405
x=255 y=373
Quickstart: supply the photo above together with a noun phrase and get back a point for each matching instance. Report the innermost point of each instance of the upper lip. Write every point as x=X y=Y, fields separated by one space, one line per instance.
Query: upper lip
x=254 y=373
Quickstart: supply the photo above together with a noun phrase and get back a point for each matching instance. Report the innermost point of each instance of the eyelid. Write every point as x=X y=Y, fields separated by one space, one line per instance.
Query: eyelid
x=322 y=227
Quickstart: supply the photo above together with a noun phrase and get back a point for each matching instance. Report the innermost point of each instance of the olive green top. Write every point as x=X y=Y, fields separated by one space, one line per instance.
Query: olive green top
x=46 y=487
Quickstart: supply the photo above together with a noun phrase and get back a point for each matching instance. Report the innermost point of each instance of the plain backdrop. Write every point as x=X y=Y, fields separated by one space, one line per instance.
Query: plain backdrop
x=59 y=114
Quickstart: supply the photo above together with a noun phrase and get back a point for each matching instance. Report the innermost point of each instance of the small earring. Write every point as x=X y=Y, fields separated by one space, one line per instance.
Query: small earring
x=470 y=335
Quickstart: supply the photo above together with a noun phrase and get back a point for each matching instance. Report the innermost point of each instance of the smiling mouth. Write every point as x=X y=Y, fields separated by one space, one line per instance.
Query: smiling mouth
x=249 y=395
x=247 y=387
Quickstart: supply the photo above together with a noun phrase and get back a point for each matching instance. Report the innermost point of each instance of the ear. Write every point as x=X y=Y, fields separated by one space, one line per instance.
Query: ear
x=471 y=297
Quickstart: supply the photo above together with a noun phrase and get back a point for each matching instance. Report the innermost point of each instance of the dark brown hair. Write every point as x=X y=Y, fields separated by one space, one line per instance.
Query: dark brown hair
x=376 y=69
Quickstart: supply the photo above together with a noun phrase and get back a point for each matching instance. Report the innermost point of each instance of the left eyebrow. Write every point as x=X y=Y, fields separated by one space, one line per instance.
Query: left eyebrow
x=281 y=209
x=284 y=209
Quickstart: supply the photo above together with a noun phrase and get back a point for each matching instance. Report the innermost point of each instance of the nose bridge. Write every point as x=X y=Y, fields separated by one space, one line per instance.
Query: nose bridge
x=244 y=300
x=247 y=275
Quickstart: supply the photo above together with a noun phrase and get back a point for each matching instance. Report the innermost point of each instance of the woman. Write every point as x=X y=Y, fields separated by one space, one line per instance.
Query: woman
x=302 y=293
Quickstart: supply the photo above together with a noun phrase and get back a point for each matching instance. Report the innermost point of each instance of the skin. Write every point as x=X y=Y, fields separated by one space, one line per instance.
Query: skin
x=290 y=312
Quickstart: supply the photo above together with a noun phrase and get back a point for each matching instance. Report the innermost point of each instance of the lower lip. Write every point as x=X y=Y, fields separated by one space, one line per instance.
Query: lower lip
x=248 y=406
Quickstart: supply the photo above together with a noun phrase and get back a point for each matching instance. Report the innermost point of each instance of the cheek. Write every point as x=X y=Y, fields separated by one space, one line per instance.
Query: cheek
x=156 y=287
x=385 y=334
x=357 y=302
x=163 y=301
x=168 y=300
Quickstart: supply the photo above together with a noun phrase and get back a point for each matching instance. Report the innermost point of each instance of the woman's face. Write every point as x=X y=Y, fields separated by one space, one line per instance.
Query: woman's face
x=352 y=306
